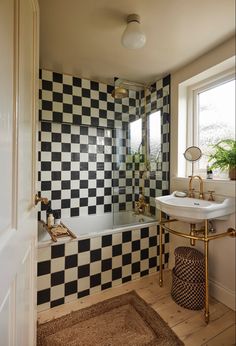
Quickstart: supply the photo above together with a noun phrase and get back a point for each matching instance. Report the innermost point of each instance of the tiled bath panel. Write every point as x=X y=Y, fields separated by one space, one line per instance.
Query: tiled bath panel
x=78 y=268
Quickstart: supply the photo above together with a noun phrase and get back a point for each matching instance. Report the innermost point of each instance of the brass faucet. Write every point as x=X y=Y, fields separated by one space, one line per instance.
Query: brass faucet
x=141 y=206
x=190 y=193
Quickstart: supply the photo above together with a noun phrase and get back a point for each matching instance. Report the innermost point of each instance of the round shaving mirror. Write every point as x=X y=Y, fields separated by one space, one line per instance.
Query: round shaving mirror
x=193 y=154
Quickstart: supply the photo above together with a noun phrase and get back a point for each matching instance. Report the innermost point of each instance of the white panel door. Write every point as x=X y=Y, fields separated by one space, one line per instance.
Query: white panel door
x=18 y=221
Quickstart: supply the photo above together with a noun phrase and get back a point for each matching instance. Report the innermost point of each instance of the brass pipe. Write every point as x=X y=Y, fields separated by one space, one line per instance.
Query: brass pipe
x=181 y=234
x=192 y=227
x=206 y=248
x=230 y=232
x=160 y=252
x=199 y=230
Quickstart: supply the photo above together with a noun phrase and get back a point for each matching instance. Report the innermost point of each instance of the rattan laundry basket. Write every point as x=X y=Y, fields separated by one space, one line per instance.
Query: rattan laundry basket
x=186 y=294
x=189 y=264
x=188 y=278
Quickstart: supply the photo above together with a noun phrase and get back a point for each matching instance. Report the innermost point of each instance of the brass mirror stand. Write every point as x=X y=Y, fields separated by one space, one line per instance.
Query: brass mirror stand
x=192 y=154
x=205 y=238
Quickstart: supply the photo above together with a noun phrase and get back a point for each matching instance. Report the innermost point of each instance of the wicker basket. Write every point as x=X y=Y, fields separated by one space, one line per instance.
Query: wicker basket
x=187 y=294
x=189 y=265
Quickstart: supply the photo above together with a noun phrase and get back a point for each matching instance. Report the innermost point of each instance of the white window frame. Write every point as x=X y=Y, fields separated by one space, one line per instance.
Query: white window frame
x=192 y=133
x=148 y=132
x=140 y=120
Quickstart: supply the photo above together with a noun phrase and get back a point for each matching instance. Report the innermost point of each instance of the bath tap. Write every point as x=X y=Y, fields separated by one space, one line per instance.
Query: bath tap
x=190 y=189
x=141 y=206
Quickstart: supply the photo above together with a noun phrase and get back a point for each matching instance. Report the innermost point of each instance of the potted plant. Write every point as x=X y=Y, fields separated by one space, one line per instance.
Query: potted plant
x=224 y=157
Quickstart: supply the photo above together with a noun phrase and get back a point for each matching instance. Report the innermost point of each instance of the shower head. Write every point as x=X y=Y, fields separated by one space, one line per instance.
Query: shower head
x=119 y=93
x=123 y=87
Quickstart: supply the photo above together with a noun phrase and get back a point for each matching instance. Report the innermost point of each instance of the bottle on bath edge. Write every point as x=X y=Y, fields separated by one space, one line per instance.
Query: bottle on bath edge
x=50 y=220
x=49 y=215
x=56 y=215
x=209 y=172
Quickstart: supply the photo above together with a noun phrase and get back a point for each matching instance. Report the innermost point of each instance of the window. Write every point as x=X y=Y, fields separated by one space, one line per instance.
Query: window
x=135 y=131
x=213 y=118
x=154 y=136
x=148 y=147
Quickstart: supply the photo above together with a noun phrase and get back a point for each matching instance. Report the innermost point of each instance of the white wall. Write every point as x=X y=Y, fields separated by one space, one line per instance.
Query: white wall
x=222 y=251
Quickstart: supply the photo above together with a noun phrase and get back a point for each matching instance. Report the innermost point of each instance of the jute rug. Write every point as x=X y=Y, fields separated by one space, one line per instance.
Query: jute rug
x=126 y=320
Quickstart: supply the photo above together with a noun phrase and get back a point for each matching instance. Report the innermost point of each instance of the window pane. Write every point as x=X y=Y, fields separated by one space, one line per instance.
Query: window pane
x=216 y=117
x=135 y=136
x=154 y=125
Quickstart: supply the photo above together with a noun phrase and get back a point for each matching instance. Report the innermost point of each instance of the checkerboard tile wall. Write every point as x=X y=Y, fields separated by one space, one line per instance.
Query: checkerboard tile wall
x=85 y=167
x=75 y=169
x=155 y=179
x=78 y=268
x=72 y=100
x=80 y=179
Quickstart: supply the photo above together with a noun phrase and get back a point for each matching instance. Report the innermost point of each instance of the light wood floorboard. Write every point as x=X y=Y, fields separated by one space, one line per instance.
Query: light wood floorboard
x=188 y=325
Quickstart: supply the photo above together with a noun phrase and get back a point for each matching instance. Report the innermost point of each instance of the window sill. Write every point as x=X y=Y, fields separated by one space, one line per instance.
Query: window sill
x=218 y=181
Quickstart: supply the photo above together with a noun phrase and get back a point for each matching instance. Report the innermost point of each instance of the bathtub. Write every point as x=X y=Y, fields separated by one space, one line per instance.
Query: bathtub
x=92 y=225
x=102 y=256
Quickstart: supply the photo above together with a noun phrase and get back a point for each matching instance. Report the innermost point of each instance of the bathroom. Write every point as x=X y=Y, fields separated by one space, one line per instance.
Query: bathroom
x=107 y=137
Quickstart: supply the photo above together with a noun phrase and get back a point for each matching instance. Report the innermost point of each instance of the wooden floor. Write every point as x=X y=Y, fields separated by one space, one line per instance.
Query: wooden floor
x=188 y=325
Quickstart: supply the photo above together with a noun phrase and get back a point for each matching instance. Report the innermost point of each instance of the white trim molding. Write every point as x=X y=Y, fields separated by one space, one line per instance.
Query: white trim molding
x=223 y=294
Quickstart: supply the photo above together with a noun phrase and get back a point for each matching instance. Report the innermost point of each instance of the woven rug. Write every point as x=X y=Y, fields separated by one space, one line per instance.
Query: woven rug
x=124 y=320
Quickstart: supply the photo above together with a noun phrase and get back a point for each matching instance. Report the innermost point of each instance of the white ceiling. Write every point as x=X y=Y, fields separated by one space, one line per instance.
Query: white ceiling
x=83 y=37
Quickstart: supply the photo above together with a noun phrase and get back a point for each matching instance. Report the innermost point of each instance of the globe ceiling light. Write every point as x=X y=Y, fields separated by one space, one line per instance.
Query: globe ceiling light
x=133 y=36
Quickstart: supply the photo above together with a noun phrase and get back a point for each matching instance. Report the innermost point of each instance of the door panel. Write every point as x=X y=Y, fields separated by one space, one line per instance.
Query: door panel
x=23 y=303
x=5 y=313
x=18 y=220
x=25 y=107
x=6 y=111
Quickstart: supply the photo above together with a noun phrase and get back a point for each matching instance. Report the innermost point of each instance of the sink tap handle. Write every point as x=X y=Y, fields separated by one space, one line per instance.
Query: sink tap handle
x=211 y=197
x=191 y=193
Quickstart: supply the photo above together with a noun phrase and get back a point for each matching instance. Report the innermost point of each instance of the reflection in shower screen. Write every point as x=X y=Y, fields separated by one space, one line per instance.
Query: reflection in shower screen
x=154 y=126
x=135 y=136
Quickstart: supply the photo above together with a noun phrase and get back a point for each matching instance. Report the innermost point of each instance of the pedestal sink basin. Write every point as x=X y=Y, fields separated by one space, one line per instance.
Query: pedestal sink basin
x=194 y=210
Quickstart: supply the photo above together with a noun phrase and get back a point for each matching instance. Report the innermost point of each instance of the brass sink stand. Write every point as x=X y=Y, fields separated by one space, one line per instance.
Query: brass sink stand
x=204 y=237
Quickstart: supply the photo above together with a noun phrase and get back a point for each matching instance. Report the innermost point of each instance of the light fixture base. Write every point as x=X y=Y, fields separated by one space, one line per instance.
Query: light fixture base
x=133 y=18
x=133 y=36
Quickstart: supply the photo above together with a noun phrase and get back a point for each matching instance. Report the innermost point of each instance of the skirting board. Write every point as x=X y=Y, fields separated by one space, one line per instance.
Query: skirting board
x=223 y=294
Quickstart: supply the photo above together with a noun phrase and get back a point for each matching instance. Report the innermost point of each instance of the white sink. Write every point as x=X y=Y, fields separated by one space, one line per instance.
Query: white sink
x=194 y=210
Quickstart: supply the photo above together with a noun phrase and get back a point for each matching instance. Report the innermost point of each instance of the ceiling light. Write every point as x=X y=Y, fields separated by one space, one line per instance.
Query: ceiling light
x=133 y=36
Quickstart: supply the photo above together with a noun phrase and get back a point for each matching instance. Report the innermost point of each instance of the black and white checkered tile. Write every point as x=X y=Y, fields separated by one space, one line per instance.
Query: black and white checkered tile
x=85 y=167
x=88 y=168
x=78 y=268
x=67 y=99
x=156 y=179
x=75 y=168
